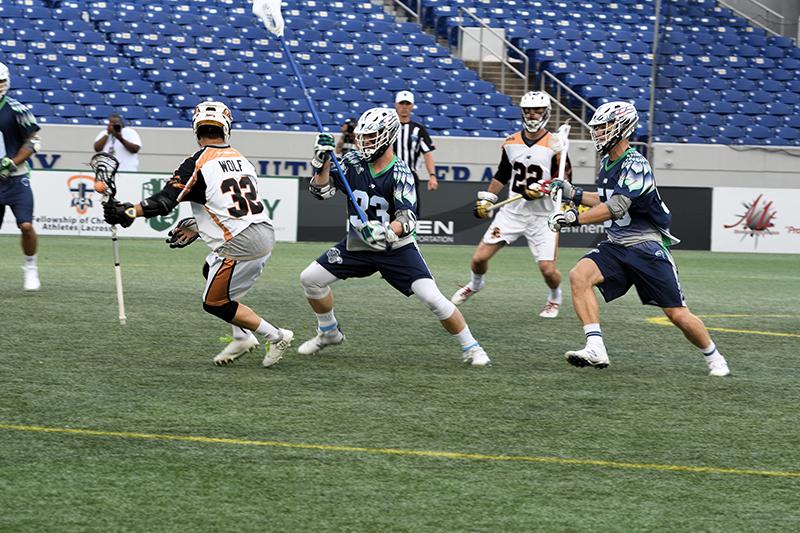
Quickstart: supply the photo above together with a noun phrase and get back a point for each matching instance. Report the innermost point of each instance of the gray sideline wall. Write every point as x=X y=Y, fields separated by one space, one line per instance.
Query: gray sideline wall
x=457 y=158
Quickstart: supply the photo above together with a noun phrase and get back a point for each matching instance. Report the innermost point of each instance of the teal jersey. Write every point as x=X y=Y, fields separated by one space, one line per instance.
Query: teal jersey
x=17 y=125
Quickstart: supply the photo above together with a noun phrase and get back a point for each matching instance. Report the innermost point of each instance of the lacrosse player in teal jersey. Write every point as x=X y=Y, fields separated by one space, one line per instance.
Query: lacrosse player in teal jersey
x=383 y=186
x=637 y=250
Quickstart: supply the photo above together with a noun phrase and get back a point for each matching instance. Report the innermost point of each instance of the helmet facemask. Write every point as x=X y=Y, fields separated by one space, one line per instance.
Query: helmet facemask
x=530 y=120
x=611 y=123
x=376 y=131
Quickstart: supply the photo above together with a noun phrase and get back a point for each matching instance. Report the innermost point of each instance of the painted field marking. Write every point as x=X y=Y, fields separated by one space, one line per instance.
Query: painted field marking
x=406 y=453
x=664 y=321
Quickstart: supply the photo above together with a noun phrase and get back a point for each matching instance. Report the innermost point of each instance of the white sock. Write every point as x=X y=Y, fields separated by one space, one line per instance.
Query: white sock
x=475 y=282
x=711 y=352
x=265 y=329
x=465 y=338
x=326 y=322
x=555 y=295
x=30 y=260
x=594 y=337
x=240 y=334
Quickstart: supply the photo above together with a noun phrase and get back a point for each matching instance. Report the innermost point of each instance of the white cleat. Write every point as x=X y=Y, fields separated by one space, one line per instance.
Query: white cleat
x=462 y=295
x=597 y=358
x=718 y=367
x=550 y=310
x=277 y=349
x=235 y=349
x=476 y=356
x=31 y=278
x=322 y=340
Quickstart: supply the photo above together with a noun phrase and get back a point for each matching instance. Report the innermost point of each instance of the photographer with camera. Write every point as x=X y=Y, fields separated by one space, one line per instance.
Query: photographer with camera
x=121 y=142
x=347 y=141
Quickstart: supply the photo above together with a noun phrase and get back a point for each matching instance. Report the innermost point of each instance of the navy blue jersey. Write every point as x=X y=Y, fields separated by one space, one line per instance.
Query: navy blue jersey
x=17 y=125
x=632 y=177
x=379 y=196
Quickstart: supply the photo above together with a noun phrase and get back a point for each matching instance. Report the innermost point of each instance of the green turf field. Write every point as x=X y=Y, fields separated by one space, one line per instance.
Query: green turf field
x=113 y=428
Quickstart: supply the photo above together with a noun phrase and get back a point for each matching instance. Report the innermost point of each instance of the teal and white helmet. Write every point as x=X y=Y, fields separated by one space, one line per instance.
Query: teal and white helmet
x=611 y=123
x=5 y=80
x=535 y=100
x=375 y=131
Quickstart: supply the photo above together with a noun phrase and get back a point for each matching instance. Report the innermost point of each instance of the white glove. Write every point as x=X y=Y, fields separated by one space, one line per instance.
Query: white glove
x=269 y=11
x=375 y=234
x=485 y=201
x=323 y=148
x=556 y=221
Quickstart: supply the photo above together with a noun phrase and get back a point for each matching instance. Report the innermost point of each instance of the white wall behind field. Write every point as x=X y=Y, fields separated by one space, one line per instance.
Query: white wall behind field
x=457 y=159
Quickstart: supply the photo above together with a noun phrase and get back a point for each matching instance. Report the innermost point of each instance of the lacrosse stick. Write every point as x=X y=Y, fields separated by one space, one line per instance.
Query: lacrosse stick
x=507 y=201
x=105 y=167
x=269 y=11
x=562 y=165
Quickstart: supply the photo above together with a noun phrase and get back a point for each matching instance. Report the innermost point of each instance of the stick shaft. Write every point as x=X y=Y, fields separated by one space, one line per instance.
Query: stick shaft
x=118 y=277
x=310 y=102
x=507 y=201
x=562 y=168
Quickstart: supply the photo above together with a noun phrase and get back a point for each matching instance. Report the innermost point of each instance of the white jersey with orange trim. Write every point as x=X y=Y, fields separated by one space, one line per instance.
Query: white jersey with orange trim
x=222 y=187
x=524 y=162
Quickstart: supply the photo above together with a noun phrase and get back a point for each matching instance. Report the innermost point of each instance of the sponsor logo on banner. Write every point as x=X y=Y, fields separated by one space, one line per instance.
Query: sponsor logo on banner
x=436 y=231
x=82 y=188
x=756 y=220
x=159 y=223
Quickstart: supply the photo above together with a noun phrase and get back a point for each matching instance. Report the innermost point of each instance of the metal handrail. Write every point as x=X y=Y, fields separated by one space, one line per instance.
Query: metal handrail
x=417 y=15
x=561 y=86
x=752 y=18
x=505 y=62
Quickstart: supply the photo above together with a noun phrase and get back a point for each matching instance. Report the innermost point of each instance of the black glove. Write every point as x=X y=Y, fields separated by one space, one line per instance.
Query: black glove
x=183 y=234
x=116 y=212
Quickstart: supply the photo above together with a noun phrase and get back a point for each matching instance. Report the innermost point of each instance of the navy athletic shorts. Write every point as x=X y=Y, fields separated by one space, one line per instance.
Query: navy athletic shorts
x=648 y=266
x=16 y=193
x=400 y=268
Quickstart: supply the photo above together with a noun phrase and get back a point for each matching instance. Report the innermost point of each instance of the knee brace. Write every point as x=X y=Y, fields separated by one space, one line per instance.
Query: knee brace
x=225 y=311
x=427 y=291
x=315 y=280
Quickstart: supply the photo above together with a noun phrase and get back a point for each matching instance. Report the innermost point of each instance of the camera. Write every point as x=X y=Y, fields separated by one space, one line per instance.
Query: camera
x=117 y=127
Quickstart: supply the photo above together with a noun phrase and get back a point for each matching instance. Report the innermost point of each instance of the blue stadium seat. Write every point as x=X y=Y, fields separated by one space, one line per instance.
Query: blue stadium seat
x=58 y=97
x=448 y=110
x=468 y=123
x=787 y=136
x=120 y=99
x=779 y=108
x=438 y=122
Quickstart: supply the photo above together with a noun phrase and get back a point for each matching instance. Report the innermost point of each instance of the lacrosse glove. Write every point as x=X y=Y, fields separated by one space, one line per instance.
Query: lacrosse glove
x=115 y=212
x=485 y=201
x=569 y=192
x=323 y=149
x=183 y=234
x=7 y=167
x=561 y=220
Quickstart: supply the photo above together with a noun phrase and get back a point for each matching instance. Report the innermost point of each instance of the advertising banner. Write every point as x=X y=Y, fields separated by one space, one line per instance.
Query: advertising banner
x=67 y=204
x=447 y=217
x=756 y=220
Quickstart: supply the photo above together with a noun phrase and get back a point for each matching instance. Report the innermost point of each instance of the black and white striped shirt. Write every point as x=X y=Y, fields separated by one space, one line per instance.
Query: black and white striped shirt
x=412 y=140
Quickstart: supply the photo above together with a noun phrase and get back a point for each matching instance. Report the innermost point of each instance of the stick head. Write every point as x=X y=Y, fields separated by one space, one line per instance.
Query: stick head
x=105 y=168
x=269 y=11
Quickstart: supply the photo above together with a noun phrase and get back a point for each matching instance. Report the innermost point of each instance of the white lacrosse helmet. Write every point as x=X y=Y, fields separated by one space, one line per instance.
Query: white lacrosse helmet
x=535 y=99
x=611 y=123
x=376 y=131
x=213 y=114
x=5 y=80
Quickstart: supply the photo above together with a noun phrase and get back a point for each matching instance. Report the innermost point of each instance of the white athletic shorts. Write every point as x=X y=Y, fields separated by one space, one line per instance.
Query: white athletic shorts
x=230 y=279
x=507 y=227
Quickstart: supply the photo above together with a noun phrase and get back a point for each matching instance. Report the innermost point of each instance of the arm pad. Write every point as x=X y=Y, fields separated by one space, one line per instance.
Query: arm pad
x=618 y=204
x=321 y=193
x=408 y=220
x=158 y=205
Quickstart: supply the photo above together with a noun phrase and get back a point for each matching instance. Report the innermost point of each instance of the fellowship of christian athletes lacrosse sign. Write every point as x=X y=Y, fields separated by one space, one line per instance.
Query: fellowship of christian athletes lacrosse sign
x=755 y=220
x=65 y=203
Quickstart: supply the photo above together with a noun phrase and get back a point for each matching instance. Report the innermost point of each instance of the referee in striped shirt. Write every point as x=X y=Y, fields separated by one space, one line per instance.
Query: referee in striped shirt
x=413 y=140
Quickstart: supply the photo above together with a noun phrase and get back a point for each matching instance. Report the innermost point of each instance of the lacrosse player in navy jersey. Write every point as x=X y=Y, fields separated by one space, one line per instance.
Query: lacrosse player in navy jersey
x=221 y=186
x=384 y=188
x=637 y=250
x=20 y=140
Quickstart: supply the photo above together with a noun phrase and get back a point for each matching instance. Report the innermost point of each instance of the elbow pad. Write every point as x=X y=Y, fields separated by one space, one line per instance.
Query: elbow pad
x=618 y=205
x=408 y=220
x=34 y=144
x=157 y=205
x=321 y=193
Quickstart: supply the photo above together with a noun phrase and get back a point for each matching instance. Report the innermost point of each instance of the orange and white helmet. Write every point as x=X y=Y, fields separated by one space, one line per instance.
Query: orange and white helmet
x=213 y=114
x=5 y=80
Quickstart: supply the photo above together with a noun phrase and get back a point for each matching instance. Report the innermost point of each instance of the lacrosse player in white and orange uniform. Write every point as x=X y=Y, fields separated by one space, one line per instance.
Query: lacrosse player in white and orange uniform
x=220 y=183
x=529 y=159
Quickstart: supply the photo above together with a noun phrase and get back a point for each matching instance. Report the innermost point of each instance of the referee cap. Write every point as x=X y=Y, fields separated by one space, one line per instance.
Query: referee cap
x=404 y=96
